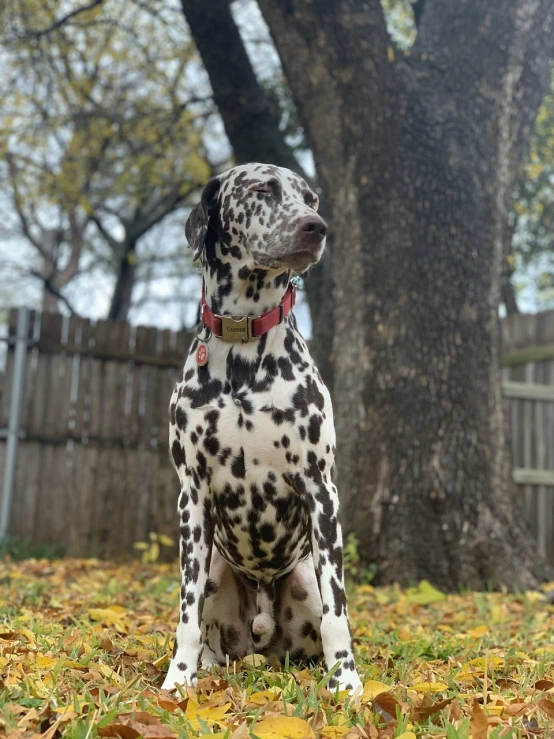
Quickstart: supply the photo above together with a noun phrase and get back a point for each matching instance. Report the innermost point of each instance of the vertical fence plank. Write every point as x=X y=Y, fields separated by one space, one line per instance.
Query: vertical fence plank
x=549 y=443
x=8 y=375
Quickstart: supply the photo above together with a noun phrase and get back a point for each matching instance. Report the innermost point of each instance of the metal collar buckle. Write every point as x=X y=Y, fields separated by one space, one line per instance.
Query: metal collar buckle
x=237 y=328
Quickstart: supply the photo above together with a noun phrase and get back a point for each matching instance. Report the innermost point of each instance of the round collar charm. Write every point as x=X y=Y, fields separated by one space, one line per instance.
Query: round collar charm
x=202 y=355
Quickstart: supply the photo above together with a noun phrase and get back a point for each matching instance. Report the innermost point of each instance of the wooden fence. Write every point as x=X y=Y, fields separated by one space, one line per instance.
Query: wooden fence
x=92 y=471
x=93 y=474
x=528 y=384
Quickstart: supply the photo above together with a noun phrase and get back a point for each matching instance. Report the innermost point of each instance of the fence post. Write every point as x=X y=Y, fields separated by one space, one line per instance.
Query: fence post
x=20 y=358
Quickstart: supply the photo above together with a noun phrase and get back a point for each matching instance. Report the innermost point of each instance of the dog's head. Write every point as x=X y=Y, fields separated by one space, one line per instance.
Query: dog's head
x=261 y=213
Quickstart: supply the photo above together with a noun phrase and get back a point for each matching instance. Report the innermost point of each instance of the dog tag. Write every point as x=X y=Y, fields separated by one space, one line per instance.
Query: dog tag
x=202 y=355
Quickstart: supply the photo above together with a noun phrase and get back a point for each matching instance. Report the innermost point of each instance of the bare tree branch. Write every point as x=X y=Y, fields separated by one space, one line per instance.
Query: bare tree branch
x=144 y=221
x=106 y=235
x=64 y=19
x=50 y=288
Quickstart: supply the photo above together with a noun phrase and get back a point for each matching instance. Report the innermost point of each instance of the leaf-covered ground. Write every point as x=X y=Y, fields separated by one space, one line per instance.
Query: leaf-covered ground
x=84 y=645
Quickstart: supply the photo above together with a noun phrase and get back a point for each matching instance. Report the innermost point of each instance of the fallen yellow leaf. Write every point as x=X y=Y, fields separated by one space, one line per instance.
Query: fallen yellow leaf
x=334 y=731
x=254 y=660
x=278 y=727
x=429 y=687
x=489 y=663
x=110 y=616
x=44 y=662
x=208 y=715
x=107 y=672
x=264 y=696
x=544 y=650
x=478 y=631
x=373 y=688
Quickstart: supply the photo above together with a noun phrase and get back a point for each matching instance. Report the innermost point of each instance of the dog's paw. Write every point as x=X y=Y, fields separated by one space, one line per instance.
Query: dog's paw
x=208 y=659
x=180 y=673
x=346 y=680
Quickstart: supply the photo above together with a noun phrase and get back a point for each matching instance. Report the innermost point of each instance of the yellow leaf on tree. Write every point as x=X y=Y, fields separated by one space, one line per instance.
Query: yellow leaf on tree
x=288 y=727
x=373 y=688
x=429 y=687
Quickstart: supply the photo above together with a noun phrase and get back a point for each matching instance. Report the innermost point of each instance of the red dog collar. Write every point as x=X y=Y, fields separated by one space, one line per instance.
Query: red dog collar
x=246 y=328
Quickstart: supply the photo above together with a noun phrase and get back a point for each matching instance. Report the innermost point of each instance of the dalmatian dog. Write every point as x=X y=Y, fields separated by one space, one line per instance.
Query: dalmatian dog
x=253 y=442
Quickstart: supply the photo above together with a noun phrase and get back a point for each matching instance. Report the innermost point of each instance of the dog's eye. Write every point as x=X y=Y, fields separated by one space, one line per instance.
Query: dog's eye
x=265 y=189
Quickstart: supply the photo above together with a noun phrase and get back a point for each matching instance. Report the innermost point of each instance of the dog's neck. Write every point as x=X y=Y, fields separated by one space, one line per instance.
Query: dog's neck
x=238 y=287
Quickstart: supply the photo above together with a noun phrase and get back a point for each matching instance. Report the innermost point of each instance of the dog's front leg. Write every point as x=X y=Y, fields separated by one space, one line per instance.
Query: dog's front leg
x=195 y=544
x=326 y=539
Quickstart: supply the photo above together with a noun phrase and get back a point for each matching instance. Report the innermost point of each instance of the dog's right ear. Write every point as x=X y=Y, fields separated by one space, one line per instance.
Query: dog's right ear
x=198 y=221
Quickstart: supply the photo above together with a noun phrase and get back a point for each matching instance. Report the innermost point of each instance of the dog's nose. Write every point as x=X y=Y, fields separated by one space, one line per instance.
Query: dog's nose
x=313 y=224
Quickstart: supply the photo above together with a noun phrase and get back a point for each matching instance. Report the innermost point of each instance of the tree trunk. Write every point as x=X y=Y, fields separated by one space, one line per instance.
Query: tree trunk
x=254 y=135
x=121 y=298
x=508 y=293
x=417 y=158
x=49 y=300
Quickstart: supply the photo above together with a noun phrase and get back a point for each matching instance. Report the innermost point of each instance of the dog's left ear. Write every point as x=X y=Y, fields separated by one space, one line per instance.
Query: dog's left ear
x=198 y=221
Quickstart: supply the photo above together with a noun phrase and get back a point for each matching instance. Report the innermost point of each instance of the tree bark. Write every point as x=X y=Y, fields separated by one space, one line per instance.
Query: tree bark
x=254 y=135
x=508 y=293
x=121 y=298
x=417 y=158
x=54 y=278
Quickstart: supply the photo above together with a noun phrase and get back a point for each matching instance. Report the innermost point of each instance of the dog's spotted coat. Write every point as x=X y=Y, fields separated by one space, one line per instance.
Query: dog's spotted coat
x=253 y=442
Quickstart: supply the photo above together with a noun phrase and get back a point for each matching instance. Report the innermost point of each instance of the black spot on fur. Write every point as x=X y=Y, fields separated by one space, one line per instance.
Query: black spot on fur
x=314 y=429
x=237 y=466
x=178 y=454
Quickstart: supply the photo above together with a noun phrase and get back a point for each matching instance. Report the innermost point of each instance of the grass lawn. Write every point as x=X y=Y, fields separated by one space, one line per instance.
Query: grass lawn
x=84 y=645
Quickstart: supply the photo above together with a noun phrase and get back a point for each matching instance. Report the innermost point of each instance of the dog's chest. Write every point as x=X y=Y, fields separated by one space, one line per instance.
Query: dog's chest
x=261 y=524
x=249 y=426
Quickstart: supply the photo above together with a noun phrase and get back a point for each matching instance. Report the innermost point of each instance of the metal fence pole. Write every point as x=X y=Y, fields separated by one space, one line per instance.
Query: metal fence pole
x=20 y=358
